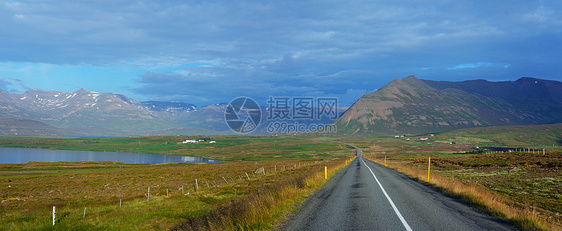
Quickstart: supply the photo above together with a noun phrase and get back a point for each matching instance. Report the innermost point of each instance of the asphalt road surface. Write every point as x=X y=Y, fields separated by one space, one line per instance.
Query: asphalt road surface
x=368 y=196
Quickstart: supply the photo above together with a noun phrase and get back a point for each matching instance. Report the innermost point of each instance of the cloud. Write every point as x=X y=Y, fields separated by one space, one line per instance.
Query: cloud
x=204 y=84
x=212 y=51
x=105 y=33
x=12 y=85
x=477 y=65
x=4 y=83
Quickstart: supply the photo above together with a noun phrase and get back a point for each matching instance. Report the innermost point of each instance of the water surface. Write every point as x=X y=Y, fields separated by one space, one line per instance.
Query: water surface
x=25 y=155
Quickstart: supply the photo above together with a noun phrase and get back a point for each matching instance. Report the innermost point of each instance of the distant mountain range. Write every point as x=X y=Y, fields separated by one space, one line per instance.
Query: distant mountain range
x=414 y=106
x=406 y=106
x=101 y=114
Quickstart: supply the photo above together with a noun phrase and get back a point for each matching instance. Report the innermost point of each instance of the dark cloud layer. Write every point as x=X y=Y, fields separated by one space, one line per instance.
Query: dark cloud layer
x=261 y=48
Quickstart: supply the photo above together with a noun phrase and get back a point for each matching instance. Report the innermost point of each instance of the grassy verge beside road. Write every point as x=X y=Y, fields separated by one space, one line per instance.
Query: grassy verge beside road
x=525 y=188
x=115 y=195
x=269 y=205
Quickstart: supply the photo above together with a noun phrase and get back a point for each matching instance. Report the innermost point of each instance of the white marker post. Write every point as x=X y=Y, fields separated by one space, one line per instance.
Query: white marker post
x=148 y=195
x=119 y=203
x=196 y=186
x=84 y=213
x=54 y=215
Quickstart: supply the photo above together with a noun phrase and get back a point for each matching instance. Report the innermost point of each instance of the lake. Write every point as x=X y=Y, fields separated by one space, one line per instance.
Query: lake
x=25 y=155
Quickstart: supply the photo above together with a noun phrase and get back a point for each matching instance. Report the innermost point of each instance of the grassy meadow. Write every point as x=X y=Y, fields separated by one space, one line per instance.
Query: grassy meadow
x=249 y=148
x=115 y=195
x=519 y=186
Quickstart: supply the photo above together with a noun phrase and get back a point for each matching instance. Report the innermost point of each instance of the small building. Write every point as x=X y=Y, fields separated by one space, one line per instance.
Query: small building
x=423 y=138
x=212 y=142
x=190 y=141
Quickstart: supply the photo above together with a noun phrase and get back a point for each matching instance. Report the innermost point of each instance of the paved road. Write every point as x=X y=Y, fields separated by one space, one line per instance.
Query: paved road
x=368 y=196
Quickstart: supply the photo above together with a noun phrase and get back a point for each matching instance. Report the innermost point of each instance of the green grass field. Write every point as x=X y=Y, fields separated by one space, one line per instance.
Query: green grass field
x=250 y=148
x=29 y=191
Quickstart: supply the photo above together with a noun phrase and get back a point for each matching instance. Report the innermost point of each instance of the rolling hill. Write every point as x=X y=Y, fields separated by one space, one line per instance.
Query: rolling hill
x=414 y=106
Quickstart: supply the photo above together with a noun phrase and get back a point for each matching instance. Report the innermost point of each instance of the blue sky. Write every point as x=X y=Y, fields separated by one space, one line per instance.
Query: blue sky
x=207 y=52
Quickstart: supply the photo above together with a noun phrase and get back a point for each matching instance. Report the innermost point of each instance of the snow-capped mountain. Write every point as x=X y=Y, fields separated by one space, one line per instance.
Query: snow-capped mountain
x=95 y=113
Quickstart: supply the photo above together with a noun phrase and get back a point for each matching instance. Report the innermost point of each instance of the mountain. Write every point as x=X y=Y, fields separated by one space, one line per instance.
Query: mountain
x=85 y=112
x=412 y=106
x=406 y=106
x=173 y=106
x=19 y=126
x=92 y=113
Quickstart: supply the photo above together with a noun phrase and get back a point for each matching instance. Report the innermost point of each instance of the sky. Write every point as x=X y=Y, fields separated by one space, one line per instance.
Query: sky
x=208 y=52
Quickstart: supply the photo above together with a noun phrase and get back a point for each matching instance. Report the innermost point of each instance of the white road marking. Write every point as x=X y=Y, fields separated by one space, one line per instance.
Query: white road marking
x=388 y=197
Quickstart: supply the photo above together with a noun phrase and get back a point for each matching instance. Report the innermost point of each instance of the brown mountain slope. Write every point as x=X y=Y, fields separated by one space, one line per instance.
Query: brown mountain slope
x=412 y=106
x=19 y=126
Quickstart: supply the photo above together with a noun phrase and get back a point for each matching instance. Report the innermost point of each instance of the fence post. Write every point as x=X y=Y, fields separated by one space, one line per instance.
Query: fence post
x=196 y=186
x=247 y=175
x=53 y=215
x=148 y=195
x=325 y=172
x=84 y=213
